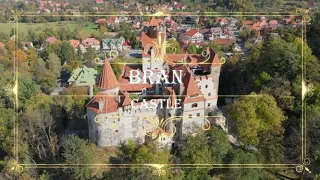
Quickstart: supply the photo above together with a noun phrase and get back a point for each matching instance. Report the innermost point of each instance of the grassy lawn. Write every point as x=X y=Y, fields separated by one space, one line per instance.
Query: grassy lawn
x=24 y=27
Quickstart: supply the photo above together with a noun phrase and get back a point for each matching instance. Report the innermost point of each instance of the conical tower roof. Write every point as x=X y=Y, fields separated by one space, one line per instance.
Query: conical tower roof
x=108 y=79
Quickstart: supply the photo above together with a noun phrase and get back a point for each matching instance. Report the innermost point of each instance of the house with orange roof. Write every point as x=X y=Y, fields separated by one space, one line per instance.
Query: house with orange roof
x=194 y=36
x=222 y=21
x=75 y=44
x=1 y=44
x=90 y=42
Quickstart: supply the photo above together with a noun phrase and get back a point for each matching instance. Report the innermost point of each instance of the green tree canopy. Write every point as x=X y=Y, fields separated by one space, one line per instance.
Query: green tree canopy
x=254 y=115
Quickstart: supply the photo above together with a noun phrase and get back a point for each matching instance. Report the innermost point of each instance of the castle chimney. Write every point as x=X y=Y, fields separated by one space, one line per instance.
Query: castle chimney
x=90 y=91
x=100 y=105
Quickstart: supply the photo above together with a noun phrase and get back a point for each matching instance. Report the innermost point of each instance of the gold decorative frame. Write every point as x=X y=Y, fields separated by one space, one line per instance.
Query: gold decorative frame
x=160 y=169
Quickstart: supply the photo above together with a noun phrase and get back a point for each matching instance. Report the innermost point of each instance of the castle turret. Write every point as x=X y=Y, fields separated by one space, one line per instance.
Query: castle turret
x=108 y=82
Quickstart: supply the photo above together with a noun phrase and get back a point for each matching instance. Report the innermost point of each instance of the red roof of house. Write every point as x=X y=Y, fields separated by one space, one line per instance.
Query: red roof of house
x=51 y=39
x=74 y=43
x=89 y=41
x=108 y=79
x=126 y=43
x=221 y=20
x=223 y=41
x=191 y=32
x=1 y=44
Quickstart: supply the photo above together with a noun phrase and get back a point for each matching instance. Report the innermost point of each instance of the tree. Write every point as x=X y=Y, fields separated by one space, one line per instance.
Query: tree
x=54 y=64
x=271 y=145
x=10 y=45
x=195 y=150
x=241 y=157
x=77 y=151
x=254 y=115
x=191 y=48
x=27 y=89
x=174 y=47
x=4 y=37
x=89 y=57
x=6 y=132
x=73 y=65
x=31 y=55
x=21 y=56
x=116 y=66
x=39 y=125
x=218 y=143
x=67 y=52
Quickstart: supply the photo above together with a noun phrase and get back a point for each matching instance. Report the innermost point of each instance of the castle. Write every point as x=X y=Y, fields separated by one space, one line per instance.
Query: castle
x=113 y=120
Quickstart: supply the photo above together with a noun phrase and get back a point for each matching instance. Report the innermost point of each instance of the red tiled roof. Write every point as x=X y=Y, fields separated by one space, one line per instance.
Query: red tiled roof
x=109 y=103
x=51 y=39
x=88 y=41
x=127 y=69
x=221 y=20
x=225 y=41
x=1 y=44
x=125 y=98
x=154 y=22
x=74 y=43
x=191 y=32
x=173 y=98
x=190 y=86
x=126 y=86
x=108 y=79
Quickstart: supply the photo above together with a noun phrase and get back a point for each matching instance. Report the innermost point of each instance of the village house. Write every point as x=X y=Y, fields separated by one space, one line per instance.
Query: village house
x=273 y=24
x=83 y=77
x=27 y=45
x=113 y=44
x=51 y=40
x=74 y=44
x=90 y=42
x=225 y=43
x=222 y=21
x=194 y=36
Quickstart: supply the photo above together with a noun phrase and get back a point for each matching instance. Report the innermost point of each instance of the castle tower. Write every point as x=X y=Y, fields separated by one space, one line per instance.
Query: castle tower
x=108 y=83
x=153 y=28
x=156 y=34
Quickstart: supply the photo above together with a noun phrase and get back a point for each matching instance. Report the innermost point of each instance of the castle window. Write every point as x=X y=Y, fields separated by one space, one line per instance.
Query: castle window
x=190 y=115
x=194 y=105
x=209 y=94
x=208 y=104
x=116 y=130
x=198 y=114
x=206 y=86
x=199 y=87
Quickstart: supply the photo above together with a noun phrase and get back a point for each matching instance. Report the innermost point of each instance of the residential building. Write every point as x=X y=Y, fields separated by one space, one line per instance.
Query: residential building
x=113 y=44
x=194 y=36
